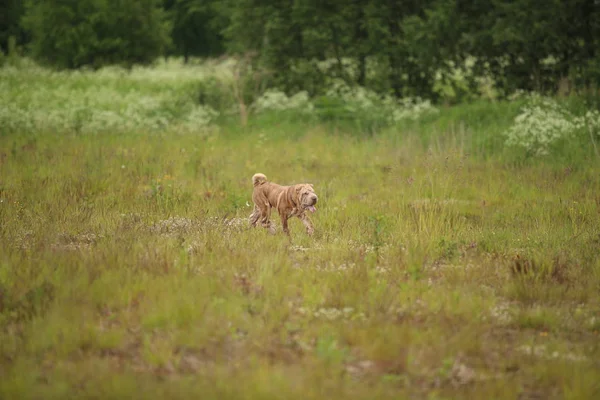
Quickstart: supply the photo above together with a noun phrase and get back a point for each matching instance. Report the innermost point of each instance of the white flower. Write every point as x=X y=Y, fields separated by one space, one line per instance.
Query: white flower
x=275 y=100
x=541 y=123
x=108 y=100
x=360 y=99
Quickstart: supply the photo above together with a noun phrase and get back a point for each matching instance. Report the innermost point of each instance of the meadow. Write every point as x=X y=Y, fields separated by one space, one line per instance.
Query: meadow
x=446 y=262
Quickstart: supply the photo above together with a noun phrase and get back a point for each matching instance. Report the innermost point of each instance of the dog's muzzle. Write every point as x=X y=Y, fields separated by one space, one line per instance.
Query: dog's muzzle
x=311 y=201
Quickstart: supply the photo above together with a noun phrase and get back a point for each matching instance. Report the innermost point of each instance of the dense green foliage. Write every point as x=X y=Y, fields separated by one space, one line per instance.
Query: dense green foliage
x=197 y=28
x=10 y=14
x=408 y=48
x=405 y=45
x=74 y=33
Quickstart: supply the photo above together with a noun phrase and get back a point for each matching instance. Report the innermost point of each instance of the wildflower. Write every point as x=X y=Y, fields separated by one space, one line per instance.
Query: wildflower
x=275 y=100
x=91 y=102
x=543 y=122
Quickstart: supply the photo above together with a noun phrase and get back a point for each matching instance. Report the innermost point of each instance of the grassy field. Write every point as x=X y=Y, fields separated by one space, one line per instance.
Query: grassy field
x=128 y=269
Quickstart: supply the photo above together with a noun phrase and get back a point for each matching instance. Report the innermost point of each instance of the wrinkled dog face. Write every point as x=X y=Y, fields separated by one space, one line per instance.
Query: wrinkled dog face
x=307 y=197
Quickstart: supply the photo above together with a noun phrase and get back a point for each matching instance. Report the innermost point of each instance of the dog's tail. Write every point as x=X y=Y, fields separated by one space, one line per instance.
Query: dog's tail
x=258 y=179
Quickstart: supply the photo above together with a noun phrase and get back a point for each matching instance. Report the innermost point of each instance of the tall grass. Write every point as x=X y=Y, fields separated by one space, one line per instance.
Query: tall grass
x=128 y=269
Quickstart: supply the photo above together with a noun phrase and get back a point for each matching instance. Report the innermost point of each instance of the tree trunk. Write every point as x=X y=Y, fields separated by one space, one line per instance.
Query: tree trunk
x=360 y=39
x=362 y=70
x=336 y=50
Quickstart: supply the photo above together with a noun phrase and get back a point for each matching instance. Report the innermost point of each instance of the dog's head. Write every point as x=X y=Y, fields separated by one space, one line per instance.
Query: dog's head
x=307 y=198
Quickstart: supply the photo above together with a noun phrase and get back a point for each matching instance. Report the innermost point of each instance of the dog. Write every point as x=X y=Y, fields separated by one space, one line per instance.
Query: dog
x=289 y=201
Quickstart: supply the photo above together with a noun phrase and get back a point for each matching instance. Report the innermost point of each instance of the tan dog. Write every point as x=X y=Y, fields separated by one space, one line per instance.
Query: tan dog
x=289 y=201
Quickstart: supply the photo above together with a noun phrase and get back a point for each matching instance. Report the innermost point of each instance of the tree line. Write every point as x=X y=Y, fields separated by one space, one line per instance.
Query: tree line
x=395 y=47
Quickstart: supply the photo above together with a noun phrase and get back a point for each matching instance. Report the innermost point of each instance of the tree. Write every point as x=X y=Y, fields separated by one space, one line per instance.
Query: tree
x=76 y=33
x=197 y=27
x=11 y=12
x=529 y=44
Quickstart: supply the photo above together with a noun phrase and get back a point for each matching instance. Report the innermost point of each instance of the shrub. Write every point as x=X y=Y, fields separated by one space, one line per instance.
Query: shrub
x=274 y=100
x=109 y=100
x=362 y=104
x=215 y=93
x=543 y=123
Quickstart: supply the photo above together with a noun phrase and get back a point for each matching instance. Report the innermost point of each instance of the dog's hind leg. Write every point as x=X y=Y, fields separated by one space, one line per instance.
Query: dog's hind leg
x=254 y=216
x=265 y=214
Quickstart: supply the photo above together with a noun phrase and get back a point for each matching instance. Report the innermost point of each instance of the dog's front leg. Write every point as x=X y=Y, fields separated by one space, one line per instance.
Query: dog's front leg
x=307 y=223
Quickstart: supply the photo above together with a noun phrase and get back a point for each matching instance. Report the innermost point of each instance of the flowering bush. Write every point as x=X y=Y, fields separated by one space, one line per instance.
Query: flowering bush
x=543 y=122
x=412 y=109
x=108 y=100
x=165 y=95
x=540 y=124
x=592 y=121
x=275 y=100
x=361 y=100
x=343 y=101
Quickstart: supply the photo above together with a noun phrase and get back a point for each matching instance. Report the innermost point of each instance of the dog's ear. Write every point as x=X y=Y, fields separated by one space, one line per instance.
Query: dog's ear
x=296 y=193
x=311 y=185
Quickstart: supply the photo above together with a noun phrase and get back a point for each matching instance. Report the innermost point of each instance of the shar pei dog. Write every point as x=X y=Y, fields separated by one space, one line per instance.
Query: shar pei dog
x=289 y=201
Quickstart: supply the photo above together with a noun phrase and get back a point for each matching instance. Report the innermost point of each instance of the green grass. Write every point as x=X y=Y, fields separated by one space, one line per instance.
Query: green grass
x=444 y=264
x=128 y=271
